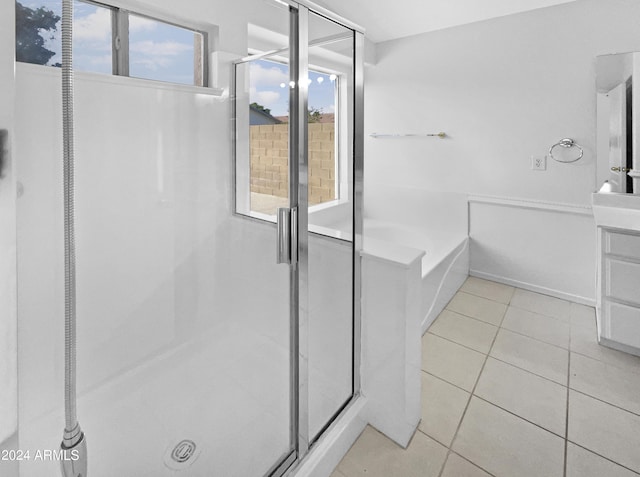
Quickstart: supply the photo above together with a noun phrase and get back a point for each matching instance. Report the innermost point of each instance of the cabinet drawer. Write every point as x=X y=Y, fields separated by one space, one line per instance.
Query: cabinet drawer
x=626 y=245
x=624 y=324
x=623 y=280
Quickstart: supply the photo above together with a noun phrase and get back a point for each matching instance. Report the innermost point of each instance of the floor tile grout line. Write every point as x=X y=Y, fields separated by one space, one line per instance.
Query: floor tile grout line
x=603 y=401
x=477 y=295
x=580 y=321
x=519 y=417
x=472 y=463
x=445 y=381
x=603 y=457
x=501 y=327
x=527 y=371
x=466 y=408
x=454 y=342
x=606 y=362
x=446 y=459
x=432 y=438
x=513 y=294
x=543 y=314
x=472 y=317
x=490 y=356
x=537 y=339
x=449 y=339
x=462 y=290
x=444 y=464
x=430 y=373
x=498 y=359
x=554 y=318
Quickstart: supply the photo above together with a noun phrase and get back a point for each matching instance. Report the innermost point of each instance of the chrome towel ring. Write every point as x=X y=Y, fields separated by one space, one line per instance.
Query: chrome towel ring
x=566 y=143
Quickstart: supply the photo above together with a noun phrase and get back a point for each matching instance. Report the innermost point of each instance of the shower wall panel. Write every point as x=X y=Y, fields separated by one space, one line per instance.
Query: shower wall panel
x=8 y=369
x=161 y=262
x=125 y=170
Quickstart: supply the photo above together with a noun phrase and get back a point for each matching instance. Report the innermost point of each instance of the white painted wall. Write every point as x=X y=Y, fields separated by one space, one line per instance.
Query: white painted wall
x=503 y=90
x=8 y=365
x=528 y=246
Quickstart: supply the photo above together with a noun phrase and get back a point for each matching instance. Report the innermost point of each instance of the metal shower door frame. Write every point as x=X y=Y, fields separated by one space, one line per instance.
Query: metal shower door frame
x=298 y=192
x=299 y=47
x=299 y=12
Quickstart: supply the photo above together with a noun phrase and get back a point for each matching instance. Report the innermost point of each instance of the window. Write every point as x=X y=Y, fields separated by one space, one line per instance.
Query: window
x=109 y=40
x=265 y=88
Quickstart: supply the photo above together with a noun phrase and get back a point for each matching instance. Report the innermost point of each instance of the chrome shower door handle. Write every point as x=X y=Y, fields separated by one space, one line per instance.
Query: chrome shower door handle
x=283 y=240
x=293 y=244
x=287 y=239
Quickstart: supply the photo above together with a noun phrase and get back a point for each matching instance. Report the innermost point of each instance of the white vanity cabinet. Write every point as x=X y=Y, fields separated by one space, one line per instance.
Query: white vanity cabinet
x=619 y=289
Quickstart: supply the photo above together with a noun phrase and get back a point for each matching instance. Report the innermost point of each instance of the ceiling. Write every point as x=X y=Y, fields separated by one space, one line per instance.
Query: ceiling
x=384 y=20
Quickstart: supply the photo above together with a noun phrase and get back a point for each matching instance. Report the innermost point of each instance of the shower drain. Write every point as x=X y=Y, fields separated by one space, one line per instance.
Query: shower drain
x=182 y=455
x=183 y=451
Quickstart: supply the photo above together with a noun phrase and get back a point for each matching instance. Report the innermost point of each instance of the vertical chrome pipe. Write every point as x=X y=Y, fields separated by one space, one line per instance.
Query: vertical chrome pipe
x=74 y=463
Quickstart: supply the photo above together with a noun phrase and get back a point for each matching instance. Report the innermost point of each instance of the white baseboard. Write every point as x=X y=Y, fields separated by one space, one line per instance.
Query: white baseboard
x=534 y=288
x=619 y=346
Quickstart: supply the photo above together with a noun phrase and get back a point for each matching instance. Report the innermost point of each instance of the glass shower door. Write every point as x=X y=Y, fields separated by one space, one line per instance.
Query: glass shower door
x=295 y=165
x=330 y=184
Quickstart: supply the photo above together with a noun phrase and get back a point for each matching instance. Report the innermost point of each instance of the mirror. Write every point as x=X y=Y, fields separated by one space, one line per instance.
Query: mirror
x=617 y=81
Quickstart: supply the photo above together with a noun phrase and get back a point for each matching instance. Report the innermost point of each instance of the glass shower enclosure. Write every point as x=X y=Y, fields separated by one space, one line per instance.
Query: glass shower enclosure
x=218 y=318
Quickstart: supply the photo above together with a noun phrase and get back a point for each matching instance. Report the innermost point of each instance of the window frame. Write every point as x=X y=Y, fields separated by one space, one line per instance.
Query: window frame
x=120 y=13
x=341 y=164
x=120 y=42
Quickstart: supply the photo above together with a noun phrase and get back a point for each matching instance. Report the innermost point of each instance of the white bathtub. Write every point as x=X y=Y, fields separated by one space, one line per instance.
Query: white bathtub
x=400 y=217
x=445 y=265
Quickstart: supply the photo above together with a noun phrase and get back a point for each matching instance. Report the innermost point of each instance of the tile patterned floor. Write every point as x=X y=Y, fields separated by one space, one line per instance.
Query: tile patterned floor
x=514 y=384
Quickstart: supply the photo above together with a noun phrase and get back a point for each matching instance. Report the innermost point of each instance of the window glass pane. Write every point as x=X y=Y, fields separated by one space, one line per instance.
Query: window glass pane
x=323 y=171
x=164 y=52
x=267 y=88
x=269 y=135
x=38 y=31
x=91 y=38
x=38 y=35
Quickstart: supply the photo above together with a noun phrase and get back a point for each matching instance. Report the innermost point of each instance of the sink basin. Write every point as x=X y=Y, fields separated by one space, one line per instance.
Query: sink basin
x=616 y=210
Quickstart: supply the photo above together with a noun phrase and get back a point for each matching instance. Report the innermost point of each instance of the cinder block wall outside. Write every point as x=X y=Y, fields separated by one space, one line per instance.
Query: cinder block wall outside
x=269 y=161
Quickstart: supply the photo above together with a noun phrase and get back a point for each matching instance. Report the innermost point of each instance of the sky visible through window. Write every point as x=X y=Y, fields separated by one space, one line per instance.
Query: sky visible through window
x=157 y=50
x=270 y=88
x=165 y=52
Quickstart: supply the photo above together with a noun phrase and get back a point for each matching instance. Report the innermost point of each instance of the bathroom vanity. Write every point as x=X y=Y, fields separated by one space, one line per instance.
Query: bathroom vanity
x=618 y=303
x=616 y=207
